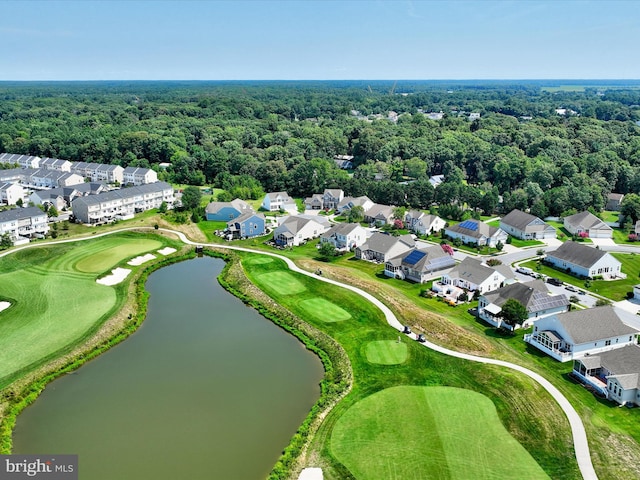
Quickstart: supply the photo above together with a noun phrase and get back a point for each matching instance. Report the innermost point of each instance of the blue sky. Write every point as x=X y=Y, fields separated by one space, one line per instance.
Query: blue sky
x=330 y=39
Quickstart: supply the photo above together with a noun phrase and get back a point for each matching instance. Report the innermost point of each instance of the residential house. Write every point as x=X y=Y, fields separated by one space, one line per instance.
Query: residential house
x=636 y=228
x=276 y=201
x=344 y=162
x=84 y=169
x=379 y=214
x=55 y=164
x=42 y=178
x=314 y=202
x=380 y=247
x=345 y=236
x=62 y=197
x=121 y=204
x=10 y=193
x=21 y=223
x=525 y=226
x=419 y=265
x=247 y=225
x=49 y=197
x=23 y=161
x=348 y=203
x=16 y=175
x=614 y=374
x=475 y=232
x=225 y=211
x=572 y=335
x=436 y=180
x=423 y=223
x=614 y=201
x=138 y=176
x=534 y=295
x=472 y=275
x=588 y=223
x=583 y=261
x=332 y=197
x=297 y=229
x=108 y=174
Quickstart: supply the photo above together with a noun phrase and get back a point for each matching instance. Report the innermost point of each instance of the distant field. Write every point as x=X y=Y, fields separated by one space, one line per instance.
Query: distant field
x=429 y=432
x=54 y=303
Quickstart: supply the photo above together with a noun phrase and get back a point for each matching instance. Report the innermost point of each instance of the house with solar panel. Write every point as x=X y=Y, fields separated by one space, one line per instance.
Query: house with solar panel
x=380 y=247
x=584 y=262
x=423 y=223
x=534 y=295
x=572 y=335
x=475 y=232
x=419 y=265
x=525 y=226
x=614 y=374
x=471 y=275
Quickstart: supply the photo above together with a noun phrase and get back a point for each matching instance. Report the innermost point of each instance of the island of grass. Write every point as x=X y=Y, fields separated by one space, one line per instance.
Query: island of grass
x=429 y=432
x=56 y=302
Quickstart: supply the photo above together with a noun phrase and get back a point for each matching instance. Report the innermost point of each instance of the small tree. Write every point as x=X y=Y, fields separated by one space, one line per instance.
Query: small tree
x=513 y=312
x=601 y=302
x=19 y=203
x=499 y=246
x=356 y=214
x=492 y=262
x=162 y=208
x=5 y=241
x=191 y=197
x=326 y=251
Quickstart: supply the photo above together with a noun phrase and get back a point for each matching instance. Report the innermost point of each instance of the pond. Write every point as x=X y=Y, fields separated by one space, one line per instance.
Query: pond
x=206 y=388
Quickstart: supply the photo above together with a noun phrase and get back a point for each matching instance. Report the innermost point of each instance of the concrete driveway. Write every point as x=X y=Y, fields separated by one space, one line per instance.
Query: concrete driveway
x=603 y=242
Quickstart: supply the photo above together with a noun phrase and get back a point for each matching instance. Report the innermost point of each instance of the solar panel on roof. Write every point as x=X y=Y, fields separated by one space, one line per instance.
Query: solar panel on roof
x=414 y=257
x=470 y=225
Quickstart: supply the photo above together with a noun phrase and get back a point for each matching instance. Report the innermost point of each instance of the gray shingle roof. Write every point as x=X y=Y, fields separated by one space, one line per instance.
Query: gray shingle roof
x=382 y=243
x=593 y=324
x=534 y=295
x=433 y=258
x=587 y=220
x=482 y=229
x=20 y=213
x=341 y=229
x=577 y=254
x=471 y=270
x=623 y=363
x=122 y=193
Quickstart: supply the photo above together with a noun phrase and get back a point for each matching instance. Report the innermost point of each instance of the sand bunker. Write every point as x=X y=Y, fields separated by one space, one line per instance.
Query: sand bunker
x=117 y=276
x=4 y=305
x=141 y=259
x=166 y=251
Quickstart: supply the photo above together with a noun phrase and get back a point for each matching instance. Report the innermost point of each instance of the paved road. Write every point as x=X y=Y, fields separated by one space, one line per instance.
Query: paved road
x=581 y=446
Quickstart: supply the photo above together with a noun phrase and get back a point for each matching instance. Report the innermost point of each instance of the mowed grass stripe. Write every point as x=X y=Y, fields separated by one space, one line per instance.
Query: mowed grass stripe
x=386 y=352
x=466 y=415
x=324 y=310
x=282 y=283
x=390 y=435
x=99 y=261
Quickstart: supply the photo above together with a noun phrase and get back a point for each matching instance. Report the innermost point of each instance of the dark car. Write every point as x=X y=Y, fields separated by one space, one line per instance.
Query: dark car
x=555 y=281
x=421 y=338
x=406 y=329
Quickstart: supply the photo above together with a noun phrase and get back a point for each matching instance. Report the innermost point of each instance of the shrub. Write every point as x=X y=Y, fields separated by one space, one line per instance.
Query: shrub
x=632 y=237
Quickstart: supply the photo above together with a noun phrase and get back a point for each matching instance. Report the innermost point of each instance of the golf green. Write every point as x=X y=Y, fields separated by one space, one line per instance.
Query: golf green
x=323 y=310
x=258 y=260
x=429 y=432
x=98 y=261
x=386 y=352
x=281 y=282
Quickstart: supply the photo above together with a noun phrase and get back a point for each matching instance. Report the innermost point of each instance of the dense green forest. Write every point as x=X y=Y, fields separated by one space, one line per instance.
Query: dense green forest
x=252 y=137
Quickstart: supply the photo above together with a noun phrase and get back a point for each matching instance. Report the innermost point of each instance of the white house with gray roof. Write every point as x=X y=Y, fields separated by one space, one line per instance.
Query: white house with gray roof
x=475 y=232
x=276 y=201
x=379 y=214
x=332 y=197
x=423 y=223
x=121 y=204
x=419 y=265
x=534 y=295
x=583 y=261
x=590 y=224
x=572 y=335
x=22 y=223
x=345 y=236
x=380 y=247
x=472 y=275
x=525 y=226
x=10 y=193
x=42 y=178
x=138 y=176
x=23 y=161
x=348 y=203
x=55 y=164
x=297 y=229
x=615 y=374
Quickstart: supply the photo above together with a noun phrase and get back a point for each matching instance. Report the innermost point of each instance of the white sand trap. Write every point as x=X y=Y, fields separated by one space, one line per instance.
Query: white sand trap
x=4 y=305
x=312 y=473
x=141 y=259
x=166 y=251
x=117 y=276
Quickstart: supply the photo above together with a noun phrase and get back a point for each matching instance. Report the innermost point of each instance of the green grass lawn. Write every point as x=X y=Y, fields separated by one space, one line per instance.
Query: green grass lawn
x=516 y=242
x=563 y=234
x=428 y=432
x=55 y=298
x=282 y=283
x=386 y=352
x=324 y=310
x=540 y=427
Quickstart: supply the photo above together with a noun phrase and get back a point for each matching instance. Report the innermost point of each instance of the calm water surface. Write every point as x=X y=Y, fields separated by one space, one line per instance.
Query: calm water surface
x=206 y=389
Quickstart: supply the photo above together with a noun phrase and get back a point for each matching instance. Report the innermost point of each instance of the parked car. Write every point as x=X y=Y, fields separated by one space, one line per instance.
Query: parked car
x=555 y=281
x=525 y=271
x=571 y=288
x=581 y=292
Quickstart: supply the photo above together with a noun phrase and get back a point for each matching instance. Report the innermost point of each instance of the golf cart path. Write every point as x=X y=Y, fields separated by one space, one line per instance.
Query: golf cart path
x=580 y=443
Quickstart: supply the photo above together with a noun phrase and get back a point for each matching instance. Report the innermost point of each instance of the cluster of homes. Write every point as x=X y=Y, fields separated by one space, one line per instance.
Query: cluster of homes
x=80 y=186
